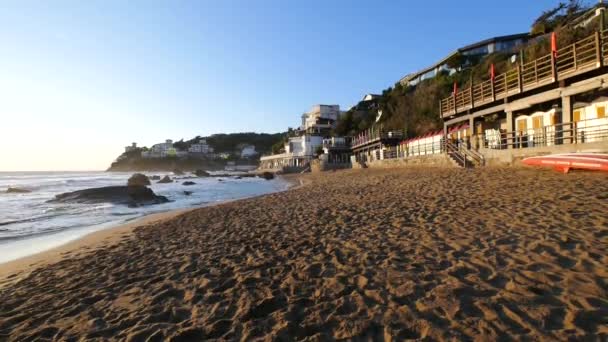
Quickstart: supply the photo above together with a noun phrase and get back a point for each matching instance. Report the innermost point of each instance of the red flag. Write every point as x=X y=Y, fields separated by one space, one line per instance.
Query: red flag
x=455 y=88
x=554 y=44
x=492 y=72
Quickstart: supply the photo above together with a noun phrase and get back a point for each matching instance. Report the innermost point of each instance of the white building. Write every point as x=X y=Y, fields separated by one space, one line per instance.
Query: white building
x=299 y=151
x=201 y=147
x=320 y=119
x=248 y=151
x=162 y=150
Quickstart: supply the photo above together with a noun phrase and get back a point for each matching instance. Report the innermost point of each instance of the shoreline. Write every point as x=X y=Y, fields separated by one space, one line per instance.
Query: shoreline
x=14 y=270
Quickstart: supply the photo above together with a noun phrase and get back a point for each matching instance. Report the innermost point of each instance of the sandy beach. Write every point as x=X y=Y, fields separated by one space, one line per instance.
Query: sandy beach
x=419 y=253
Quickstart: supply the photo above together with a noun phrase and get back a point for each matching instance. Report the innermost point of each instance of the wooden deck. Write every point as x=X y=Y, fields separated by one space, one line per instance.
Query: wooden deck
x=583 y=56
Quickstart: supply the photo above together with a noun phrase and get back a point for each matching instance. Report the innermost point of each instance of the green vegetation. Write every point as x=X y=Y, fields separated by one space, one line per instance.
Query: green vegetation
x=415 y=109
x=230 y=142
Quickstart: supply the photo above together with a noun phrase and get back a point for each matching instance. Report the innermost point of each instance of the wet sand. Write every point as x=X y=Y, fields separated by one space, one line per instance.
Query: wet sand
x=370 y=254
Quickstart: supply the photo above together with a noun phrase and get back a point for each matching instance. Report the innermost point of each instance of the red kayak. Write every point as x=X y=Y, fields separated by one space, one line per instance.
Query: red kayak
x=565 y=162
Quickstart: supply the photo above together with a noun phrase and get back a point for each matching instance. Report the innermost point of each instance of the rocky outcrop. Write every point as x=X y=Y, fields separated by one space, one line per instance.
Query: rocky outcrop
x=133 y=196
x=202 y=173
x=165 y=179
x=267 y=175
x=138 y=179
x=17 y=191
x=188 y=183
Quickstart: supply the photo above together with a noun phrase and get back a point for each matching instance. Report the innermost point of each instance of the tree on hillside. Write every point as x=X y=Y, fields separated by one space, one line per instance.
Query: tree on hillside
x=558 y=16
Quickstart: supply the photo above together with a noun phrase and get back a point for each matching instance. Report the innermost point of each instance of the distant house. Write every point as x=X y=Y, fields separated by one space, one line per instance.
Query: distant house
x=200 y=148
x=161 y=150
x=248 y=151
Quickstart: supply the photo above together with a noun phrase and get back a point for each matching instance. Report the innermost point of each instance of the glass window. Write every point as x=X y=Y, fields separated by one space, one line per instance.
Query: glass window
x=601 y=112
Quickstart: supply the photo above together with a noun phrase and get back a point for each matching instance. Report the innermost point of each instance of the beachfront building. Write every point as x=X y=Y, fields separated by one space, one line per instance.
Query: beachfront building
x=337 y=150
x=301 y=149
x=374 y=144
x=320 y=119
x=248 y=151
x=540 y=106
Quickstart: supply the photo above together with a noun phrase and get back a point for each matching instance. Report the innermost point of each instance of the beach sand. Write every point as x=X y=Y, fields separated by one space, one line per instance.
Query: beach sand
x=441 y=254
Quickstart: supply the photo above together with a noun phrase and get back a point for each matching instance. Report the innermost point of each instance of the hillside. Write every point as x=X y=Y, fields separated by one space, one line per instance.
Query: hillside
x=221 y=143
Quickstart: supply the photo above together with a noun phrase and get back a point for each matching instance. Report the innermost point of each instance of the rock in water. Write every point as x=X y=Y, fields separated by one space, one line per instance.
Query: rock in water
x=132 y=196
x=267 y=175
x=202 y=173
x=138 y=179
x=188 y=183
x=155 y=177
x=17 y=191
x=165 y=179
x=187 y=193
x=178 y=172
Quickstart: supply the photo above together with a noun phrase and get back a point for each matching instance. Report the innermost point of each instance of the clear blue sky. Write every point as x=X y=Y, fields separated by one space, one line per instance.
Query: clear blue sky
x=79 y=80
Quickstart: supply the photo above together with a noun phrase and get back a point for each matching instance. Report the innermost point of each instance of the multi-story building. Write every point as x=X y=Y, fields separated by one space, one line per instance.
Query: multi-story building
x=320 y=119
x=485 y=47
x=301 y=149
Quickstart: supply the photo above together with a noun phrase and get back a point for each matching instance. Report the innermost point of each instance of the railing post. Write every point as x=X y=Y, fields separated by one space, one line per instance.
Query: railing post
x=554 y=67
x=536 y=71
x=598 y=48
x=520 y=83
x=574 y=55
x=493 y=92
x=471 y=95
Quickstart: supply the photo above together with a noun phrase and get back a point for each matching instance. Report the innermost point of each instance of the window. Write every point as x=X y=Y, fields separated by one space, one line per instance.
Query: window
x=522 y=125
x=601 y=112
x=577 y=115
x=537 y=122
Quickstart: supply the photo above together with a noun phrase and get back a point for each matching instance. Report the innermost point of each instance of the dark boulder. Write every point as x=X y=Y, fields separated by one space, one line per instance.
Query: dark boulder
x=238 y=177
x=132 y=196
x=138 y=179
x=178 y=172
x=17 y=191
x=188 y=183
x=155 y=177
x=202 y=173
x=165 y=179
x=267 y=175
x=187 y=193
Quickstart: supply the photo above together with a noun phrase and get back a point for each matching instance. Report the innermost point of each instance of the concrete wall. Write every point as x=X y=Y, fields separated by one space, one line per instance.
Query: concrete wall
x=320 y=166
x=514 y=156
x=438 y=160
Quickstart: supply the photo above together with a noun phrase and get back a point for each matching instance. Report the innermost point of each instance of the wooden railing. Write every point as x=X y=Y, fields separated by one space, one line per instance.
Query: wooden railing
x=578 y=57
x=584 y=55
x=483 y=92
x=538 y=72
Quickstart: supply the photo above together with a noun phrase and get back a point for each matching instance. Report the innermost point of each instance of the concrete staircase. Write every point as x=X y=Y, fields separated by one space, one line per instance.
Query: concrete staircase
x=464 y=158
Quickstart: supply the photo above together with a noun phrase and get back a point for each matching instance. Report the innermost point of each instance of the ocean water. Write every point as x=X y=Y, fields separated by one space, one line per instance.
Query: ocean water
x=29 y=224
